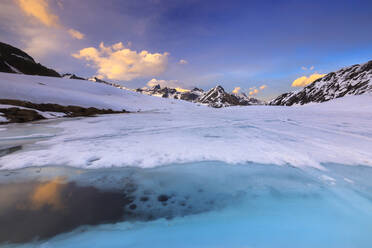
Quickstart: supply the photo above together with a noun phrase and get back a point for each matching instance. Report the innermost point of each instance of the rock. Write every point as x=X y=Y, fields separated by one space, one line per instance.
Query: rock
x=72 y=76
x=17 y=115
x=14 y=60
x=352 y=80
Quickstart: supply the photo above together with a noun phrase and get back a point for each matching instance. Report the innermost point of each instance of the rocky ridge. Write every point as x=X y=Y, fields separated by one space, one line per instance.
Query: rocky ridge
x=352 y=80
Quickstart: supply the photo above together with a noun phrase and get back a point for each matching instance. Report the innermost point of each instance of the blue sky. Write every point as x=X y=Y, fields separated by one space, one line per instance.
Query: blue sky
x=233 y=43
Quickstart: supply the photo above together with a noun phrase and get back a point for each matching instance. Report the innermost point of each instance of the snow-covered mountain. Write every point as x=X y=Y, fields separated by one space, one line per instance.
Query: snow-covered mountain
x=72 y=76
x=97 y=80
x=352 y=80
x=14 y=60
x=166 y=92
x=216 y=97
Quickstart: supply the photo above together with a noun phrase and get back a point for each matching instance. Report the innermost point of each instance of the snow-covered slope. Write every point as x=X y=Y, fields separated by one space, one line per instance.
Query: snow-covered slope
x=352 y=80
x=84 y=93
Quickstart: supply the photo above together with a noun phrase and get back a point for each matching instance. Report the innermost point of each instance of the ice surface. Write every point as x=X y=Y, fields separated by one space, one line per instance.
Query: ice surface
x=229 y=206
x=339 y=131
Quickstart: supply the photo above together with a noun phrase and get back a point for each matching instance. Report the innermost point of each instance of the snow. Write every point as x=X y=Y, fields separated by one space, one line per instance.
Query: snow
x=13 y=68
x=171 y=131
x=19 y=56
x=2 y=119
x=39 y=89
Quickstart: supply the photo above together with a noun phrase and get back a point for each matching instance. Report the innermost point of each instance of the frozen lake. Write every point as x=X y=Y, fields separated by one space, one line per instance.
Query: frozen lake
x=205 y=204
x=192 y=176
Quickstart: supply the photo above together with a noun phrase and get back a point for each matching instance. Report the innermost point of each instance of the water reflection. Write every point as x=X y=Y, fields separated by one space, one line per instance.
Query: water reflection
x=35 y=204
x=39 y=210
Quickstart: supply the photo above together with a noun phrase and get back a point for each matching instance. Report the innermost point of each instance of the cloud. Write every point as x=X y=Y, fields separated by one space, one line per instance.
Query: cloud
x=166 y=83
x=253 y=92
x=236 y=90
x=40 y=42
x=163 y=83
x=60 y=4
x=37 y=40
x=120 y=63
x=303 y=81
x=39 y=9
x=305 y=68
x=183 y=62
x=76 y=34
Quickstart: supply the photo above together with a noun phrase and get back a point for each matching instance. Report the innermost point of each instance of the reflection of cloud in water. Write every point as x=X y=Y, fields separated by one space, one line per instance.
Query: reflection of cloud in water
x=48 y=193
x=40 y=210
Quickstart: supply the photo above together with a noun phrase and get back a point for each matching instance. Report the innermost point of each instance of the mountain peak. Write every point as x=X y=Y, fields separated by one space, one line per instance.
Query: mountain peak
x=351 y=80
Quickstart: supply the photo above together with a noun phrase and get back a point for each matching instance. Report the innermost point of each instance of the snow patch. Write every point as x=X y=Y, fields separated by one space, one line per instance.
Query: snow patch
x=13 y=68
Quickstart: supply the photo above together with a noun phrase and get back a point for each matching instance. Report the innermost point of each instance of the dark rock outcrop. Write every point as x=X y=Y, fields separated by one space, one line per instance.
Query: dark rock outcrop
x=72 y=76
x=352 y=80
x=19 y=115
x=14 y=60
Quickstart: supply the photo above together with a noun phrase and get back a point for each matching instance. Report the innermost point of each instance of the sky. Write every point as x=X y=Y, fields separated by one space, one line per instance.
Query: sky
x=262 y=48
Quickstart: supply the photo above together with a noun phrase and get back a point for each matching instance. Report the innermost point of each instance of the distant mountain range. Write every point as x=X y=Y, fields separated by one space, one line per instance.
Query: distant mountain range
x=352 y=80
x=216 y=97
x=14 y=60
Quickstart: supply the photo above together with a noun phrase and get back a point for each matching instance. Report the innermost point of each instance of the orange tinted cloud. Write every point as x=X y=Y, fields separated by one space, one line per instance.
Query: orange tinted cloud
x=303 y=81
x=120 y=63
x=40 y=10
x=76 y=34
x=166 y=83
x=236 y=90
x=253 y=92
